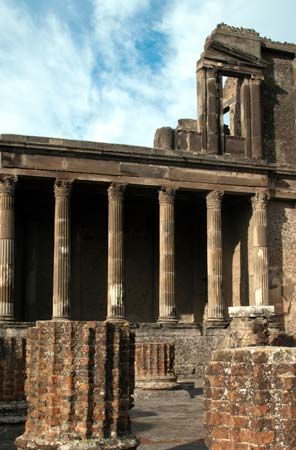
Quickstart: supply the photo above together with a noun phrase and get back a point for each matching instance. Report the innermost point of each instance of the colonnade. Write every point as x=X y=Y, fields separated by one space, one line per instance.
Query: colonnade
x=116 y=296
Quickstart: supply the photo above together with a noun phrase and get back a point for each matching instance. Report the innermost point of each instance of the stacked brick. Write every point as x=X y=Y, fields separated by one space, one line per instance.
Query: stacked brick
x=78 y=386
x=155 y=365
x=250 y=399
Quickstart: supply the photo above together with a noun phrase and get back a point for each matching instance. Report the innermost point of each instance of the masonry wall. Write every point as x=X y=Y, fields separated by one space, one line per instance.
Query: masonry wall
x=259 y=417
x=279 y=111
x=282 y=257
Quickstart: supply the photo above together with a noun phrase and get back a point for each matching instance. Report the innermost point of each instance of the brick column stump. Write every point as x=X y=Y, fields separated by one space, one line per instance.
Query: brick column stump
x=155 y=365
x=250 y=388
x=13 y=407
x=78 y=387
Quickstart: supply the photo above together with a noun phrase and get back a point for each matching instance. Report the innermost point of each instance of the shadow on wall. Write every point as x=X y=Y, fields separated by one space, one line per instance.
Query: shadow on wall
x=281 y=219
x=271 y=100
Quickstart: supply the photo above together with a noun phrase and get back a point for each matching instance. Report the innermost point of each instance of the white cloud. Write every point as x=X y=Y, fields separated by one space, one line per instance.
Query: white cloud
x=98 y=86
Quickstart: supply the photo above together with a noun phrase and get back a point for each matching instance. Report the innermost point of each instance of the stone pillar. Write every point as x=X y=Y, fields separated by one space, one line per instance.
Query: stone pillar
x=246 y=116
x=79 y=382
x=155 y=365
x=256 y=118
x=62 y=247
x=216 y=309
x=167 y=308
x=7 y=188
x=202 y=107
x=116 y=307
x=260 y=249
x=212 y=112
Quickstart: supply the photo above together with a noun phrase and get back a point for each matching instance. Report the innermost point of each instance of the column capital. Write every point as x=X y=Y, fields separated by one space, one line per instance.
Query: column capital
x=7 y=184
x=214 y=199
x=260 y=200
x=62 y=188
x=166 y=194
x=116 y=191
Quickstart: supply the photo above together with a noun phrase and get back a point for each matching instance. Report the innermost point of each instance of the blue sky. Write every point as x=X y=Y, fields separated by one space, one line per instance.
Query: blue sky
x=113 y=70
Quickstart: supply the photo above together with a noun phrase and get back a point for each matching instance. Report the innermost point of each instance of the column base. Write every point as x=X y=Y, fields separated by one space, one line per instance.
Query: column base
x=215 y=326
x=7 y=319
x=13 y=412
x=158 y=384
x=116 y=319
x=25 y=442
x=172 y=320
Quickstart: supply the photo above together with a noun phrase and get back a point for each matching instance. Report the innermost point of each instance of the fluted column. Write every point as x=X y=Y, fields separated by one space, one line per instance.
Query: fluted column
x=62 y=247
x=216 y=309
x=116 y=307
x=7 y=188
x=260 y=249
x=167 y=308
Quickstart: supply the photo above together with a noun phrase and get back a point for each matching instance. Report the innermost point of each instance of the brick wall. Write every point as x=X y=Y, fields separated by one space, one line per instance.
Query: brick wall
x=250 y=397
x=78 y=385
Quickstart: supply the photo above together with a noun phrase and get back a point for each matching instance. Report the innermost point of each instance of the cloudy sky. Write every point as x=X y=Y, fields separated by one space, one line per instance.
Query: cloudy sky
x=113 y=70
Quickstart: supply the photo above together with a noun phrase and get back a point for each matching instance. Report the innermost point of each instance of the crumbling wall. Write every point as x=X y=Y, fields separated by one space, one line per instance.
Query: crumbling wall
x=282 y=257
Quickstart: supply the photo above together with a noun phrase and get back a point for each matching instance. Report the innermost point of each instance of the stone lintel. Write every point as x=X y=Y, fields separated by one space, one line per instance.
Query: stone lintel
x=251 y=311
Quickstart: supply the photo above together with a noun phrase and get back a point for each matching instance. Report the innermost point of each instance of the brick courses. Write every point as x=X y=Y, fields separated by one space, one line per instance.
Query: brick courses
x=250 y=397
x=78 y=386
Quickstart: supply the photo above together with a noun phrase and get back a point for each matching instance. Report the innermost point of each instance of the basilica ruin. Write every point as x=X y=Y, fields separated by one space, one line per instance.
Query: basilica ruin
x=171 y=246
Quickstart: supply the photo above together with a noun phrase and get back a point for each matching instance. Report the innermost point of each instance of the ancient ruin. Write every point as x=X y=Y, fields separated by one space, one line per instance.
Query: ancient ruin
x=190 y=241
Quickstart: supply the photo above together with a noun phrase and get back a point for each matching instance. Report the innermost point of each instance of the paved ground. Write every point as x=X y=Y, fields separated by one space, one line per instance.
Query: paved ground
x=172 y=421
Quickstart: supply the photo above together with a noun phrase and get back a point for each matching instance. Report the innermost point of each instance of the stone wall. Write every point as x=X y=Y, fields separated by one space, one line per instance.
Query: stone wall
x=282 y=257
x=78 y=386
x=250 y=399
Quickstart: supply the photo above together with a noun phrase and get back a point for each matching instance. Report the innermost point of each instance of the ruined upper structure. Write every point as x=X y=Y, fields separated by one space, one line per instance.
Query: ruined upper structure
x=246 y=100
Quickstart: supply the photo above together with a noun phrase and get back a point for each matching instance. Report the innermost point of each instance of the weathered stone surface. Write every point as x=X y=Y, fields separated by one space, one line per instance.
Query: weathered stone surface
x=250 y=396
x=78 y=387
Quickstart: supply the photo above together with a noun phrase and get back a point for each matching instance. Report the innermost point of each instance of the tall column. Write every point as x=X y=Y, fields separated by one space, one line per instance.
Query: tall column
x=167 y=308
x=212 y=112
x=62 y=247
x=7 y=188
x=260 y=249
x=116 y=307
x=202 y=107
x=216 y=309
x=256 y=118
x=246 y=115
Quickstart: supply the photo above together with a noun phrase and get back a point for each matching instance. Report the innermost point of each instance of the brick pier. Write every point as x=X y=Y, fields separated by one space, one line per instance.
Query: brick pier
x=78 y=387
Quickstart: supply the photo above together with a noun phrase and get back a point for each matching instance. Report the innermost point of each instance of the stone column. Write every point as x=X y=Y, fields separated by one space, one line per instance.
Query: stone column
x=260 y=250
x=202 y=107
x=256 y=119
x=216 y=309
x=246 y=116
x=212 y=112
x=167 y=308
x=7 y=187
x=116 y=307
x=62 y=247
